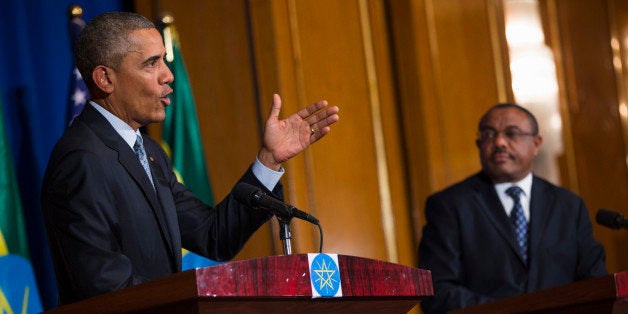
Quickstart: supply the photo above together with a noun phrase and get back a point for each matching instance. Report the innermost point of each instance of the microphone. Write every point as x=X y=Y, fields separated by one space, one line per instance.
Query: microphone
x=611 y=219
x=255 y=197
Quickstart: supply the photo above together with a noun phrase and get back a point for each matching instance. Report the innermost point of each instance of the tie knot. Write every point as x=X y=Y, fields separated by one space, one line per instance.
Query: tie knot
x=138 y=141
x=514 y=192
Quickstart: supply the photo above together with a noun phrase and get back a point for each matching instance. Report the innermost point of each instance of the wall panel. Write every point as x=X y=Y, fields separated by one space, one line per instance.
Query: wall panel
x=618 y=17
x=592 y=103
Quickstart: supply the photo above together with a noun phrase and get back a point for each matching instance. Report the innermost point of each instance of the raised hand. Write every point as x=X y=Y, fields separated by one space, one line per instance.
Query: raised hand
x=284 y=139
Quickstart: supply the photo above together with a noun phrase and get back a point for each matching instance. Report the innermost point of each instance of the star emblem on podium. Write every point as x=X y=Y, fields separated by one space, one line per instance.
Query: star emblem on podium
x=325 y=278
x=325 y=275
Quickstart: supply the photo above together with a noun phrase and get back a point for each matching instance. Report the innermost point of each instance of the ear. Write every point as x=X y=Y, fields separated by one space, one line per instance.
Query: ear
x=102 y=77
x=538 y=140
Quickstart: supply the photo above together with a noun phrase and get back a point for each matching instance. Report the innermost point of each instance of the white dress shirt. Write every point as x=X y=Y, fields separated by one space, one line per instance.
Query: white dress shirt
x=508 y=202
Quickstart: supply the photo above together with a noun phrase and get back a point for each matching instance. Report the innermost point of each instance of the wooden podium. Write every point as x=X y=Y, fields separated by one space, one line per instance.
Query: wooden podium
x=608 y=294
x=274 y=284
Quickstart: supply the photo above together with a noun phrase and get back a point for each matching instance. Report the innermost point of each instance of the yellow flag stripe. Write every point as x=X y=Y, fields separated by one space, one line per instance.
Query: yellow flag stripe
x=4 y=250
x=168 y=151
x=25 y=300
x=5 y=307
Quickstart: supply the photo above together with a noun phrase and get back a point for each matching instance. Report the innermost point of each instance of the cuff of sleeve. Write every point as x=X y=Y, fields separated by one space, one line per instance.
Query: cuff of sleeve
x=268 y=177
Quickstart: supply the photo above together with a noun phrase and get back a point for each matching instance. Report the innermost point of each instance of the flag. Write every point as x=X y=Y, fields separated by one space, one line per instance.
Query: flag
x=181 y=136
x=18 y=288
x=78 y=93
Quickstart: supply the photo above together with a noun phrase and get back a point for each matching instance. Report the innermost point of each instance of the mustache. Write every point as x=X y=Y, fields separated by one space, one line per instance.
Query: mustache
x=501 y=150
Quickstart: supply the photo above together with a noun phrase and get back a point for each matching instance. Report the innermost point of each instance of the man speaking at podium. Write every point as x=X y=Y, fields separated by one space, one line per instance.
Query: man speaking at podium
x=115 y=213
x=505 y=231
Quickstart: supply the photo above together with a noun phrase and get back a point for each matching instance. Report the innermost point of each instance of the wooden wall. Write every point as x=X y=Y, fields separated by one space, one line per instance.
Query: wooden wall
x=411 y=78
x=594 y=84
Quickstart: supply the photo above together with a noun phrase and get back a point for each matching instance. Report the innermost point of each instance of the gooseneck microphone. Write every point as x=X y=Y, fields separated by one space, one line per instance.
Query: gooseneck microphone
x=255 y=197
x=611 y=219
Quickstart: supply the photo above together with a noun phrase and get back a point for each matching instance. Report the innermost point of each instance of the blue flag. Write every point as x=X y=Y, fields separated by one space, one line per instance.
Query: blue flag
x=78 y=94
x=18 y=288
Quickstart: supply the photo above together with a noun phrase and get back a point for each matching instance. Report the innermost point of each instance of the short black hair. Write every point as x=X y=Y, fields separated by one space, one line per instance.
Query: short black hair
x=105 y=41
x=531 y=118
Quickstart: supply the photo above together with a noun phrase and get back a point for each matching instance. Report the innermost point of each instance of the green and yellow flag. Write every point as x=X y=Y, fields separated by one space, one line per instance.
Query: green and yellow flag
x=18 y=289
x=181 y=135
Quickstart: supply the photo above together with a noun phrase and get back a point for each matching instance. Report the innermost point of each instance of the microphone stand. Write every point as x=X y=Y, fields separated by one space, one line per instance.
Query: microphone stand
x=284 y=233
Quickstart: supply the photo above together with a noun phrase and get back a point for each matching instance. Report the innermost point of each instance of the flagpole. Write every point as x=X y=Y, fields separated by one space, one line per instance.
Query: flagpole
x=167 y=20
x=78 y=94
x=75 y=13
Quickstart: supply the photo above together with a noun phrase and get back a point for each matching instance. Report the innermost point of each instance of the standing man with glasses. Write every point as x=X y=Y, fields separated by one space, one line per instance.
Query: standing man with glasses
x=504 y=231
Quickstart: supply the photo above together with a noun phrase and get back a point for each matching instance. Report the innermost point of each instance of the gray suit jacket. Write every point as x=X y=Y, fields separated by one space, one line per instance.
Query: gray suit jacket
x=469 y=244
x=108 y=229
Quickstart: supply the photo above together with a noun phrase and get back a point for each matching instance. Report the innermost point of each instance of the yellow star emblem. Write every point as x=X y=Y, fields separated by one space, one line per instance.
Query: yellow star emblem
x=324 y=274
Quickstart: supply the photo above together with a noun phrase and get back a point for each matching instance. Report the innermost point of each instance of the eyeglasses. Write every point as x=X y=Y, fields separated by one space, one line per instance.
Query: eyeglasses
x=510 y=135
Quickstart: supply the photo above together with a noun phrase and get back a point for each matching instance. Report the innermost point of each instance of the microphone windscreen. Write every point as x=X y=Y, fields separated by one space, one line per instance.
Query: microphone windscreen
x=608 y=218
x=244 y=192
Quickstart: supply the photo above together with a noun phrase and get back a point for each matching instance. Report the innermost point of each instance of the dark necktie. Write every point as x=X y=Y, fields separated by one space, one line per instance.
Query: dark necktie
x=141 y=155
x=518 y=220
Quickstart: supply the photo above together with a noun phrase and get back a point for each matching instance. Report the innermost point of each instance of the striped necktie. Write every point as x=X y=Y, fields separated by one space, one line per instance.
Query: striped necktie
x=141 y=155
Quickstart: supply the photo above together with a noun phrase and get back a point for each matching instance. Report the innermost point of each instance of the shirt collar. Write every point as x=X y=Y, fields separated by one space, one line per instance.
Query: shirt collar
x=525 y=184
x=126 y=131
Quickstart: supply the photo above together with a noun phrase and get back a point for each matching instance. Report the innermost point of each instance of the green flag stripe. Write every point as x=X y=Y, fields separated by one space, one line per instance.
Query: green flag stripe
x=12 y=224
x=181 y=130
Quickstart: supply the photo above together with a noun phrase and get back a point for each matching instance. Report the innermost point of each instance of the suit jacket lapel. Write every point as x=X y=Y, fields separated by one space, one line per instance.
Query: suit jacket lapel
x=170 y=220
x=541 y=204
x=488 y=201
x=129 y=160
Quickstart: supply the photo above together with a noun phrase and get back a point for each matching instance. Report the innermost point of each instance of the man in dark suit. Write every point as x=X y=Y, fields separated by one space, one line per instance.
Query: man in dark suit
x=505 y=231
x=115 y=213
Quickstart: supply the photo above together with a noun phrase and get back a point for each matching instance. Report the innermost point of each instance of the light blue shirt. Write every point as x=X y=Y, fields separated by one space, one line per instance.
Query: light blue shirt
x=268 y=177
x=508 y=202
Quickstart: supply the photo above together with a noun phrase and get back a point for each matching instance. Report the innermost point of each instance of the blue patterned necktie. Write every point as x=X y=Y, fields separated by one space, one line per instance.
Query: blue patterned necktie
x=141 y=154
x=518 y=220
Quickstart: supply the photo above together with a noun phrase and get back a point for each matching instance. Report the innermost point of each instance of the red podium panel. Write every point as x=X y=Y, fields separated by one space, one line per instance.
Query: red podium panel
x=274 y=284
x=607 y=294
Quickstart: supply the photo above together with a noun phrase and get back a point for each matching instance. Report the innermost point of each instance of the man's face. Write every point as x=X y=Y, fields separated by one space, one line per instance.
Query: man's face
x=141 y=89
x=506 y=144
